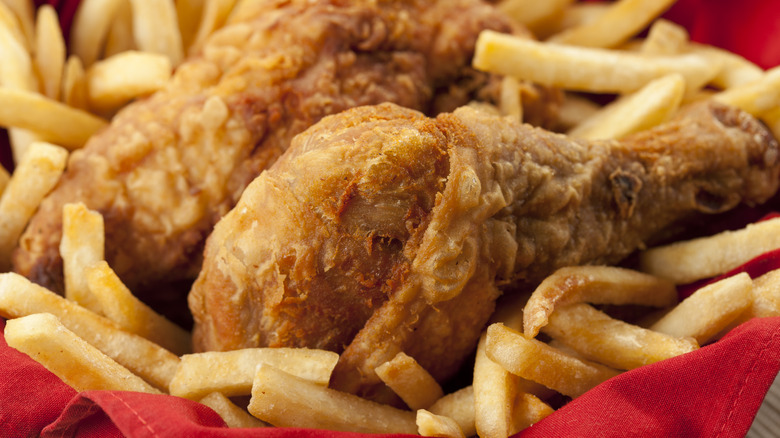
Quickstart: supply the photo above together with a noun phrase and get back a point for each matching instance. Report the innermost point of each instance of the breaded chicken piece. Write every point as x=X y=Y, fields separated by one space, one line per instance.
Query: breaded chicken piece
x=170 y=166
x=381 y=230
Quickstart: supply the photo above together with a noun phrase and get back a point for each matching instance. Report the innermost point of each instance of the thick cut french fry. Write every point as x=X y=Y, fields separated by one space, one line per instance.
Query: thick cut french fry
x=233 y=415
x=34 y=177
x=91 y=25
x=757 y=97
x=232 y=372
x=652 y=105
x=585 y=69
x=114 y=81
x=82 y=245
x=83 y=367
x=708 y=310
x=285 y=400
x=156 y=28
x=612 y=342
x=121 y=306
x=528 y=409
x=53 y=121
x=596 y=285
x=430 y=424
x=459 y=406
x=622 y=20
x=534 y=360
x=20 y=297
x=766 y=295
x=510 y=101
x=665 y=38
x=410 y=381
x=49 y=51
x=495 y=390
x=691 y=260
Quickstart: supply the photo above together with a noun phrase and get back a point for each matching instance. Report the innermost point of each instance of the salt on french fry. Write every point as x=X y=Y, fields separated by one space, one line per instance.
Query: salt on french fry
x=91 y=25
x=114 y=81
x=585 y=69
x=534 y=360
x=156 y=28
x=49 y=55
x=82 y=245
x=757 y=97
x=53 y=121
x=708 y=310
x=665 y=38
x=687 y=261
x=430 y=424
x=459 y=406
x=232 y=372
x=80 y=365
x=233 y=415
x=279 y=398
x=33 y=178
x=596 y=285
x=19 y=297
x=612 y=342
x=622 y=20
x=650 y=106
x=410 y=381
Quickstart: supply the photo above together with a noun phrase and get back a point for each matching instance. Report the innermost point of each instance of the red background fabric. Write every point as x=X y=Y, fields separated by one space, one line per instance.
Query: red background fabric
x=713 y=392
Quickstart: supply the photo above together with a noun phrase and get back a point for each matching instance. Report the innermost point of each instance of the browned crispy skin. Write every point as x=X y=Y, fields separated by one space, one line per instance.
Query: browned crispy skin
x=381 y=230
x=170 y=166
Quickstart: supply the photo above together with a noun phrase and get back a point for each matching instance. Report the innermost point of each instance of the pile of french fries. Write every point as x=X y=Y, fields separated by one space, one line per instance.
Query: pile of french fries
x=552 y=342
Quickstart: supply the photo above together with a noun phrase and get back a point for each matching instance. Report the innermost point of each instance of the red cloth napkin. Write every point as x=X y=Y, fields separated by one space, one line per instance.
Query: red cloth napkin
x=714 y=391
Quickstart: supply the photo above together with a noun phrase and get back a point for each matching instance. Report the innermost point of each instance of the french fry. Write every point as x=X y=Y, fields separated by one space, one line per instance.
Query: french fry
x=74 y=84
x=156 y=28
x=687 y=261
x=114 y=81
x=83 y=367
x=91 y=25
x=574 y=110
x=121 y=306
x=621 y=21
x=510 y=101
x=534 y=14
x=25 y=13
x=120 y=34
x=232 y=372
x=610 y=341
x=766 y=295
x=665 y=38
x=34 y=177
x=529 y=409
x=215 y=12
x=577 y=14
x=652 y=105
x=735 y=71
x=16 y=69
x=708 y=310
x=19 y=297
x=5 y=178
x=279 y=398
x=49 y=51
x=757 y=97
x=233 y=415
x=534 y=360
x=585 y=69
x=53 y=121
x=459 y=406
x=189 y=13
x=596 y=285
x=11 y=24
x=495 y=390
x=410 y=381
x=82 y=245
x=430 y=424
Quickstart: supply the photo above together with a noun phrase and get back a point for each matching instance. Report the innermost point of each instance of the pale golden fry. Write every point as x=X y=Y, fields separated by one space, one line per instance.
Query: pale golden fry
x=11 y=24
x=82 y=245
x=83 y=367
x=585 y=69
x=766 y=295
x=772 y=120
x=215 y=12
x=650 y=106
x=410 y=381
x=534 y=360
x=691 y=260
x=709 y=310
x=233 y=415
x=189 y=13
x=279 y=398
x=430 y=424
x=74 y=84
x=612 y=342
x=25 y=14
x=757 y=97
x=596 y=285
x=577 y=14
x=495 y=390
x=53 y=121
x=665 y=38
x=16 y=69
x=574 y=110
x=510 y=101
x=34 y=177
x=156 y=28
x=114 y=81
x=623 y=19
x=120 y=35
x=536 y=15
x=121 y=306
x=20 y=297
x=49 y=51
x=232 y=372
x=5 y=178
x=528 y=409
x=90 y=27
x=459 y=406
x=735 y=71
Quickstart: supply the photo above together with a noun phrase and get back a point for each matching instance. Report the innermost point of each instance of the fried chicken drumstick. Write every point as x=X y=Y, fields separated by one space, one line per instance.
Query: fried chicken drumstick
x=382 y=230
x=170 y=166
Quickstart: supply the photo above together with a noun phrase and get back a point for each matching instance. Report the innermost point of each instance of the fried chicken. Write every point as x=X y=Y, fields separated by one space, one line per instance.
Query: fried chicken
x=170 y=166
x=382 y=230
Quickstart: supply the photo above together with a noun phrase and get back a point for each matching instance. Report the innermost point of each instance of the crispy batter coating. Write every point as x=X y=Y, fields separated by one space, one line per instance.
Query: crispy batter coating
x=381 y=230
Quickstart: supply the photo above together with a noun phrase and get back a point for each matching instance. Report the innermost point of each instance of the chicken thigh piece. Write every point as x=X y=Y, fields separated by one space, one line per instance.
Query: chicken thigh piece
x=381 y=230
x=170 y=166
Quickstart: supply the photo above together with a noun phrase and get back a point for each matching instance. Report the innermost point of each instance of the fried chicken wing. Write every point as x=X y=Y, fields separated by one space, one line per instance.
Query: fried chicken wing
x=170 y=166
x=382 y=230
